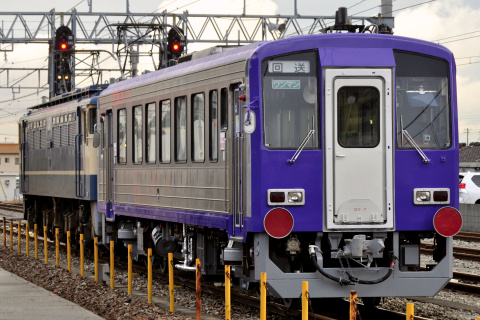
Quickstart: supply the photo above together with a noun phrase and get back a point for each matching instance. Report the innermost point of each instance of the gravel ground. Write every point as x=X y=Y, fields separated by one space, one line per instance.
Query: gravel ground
x=116 y=304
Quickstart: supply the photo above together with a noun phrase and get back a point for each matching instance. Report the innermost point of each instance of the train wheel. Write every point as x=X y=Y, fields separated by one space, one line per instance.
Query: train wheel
x=371 y=302
x=292 y=303
x=162 y=264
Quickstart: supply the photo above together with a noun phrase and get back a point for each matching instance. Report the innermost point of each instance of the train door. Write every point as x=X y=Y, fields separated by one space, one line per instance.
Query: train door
x=237 y=162
x=24 y=185
x=358 y=140
x=109 y=158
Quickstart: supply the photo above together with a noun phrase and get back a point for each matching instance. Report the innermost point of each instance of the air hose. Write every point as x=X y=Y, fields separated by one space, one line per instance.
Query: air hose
x=351 y=279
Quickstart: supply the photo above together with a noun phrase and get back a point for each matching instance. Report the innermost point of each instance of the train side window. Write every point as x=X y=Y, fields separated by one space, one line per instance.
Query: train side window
x=165 y=129
x=122 y=136
x=181 y=129
x=198 y=127
x=213 y=114
x=224 y=108
x=137 y=135
x=151 y=134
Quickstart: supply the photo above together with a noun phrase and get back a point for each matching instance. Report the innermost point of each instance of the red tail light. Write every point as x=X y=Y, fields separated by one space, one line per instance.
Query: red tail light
x=462 y=185
x=278 y=223
x=447 y=221
x=277 y=197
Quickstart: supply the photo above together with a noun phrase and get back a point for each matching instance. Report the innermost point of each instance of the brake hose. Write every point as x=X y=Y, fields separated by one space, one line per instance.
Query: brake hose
x=351 y=279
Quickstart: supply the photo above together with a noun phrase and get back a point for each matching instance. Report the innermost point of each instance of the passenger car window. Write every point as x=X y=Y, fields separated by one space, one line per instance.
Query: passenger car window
x=165 y=129
x=151 y=134
x=213 y=114
x=137 y=135
x=198 y=127
x=181 y=129
x=122 y=136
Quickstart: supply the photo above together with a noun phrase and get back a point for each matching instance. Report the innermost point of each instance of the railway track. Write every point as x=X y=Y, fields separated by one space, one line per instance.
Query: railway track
x=458 y=252
x=273 y=307
x=468 y=236
x=16 y=207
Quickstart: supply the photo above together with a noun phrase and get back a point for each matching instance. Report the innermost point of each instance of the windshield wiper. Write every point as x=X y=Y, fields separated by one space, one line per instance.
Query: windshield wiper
x=300 y=148
x=415 y=145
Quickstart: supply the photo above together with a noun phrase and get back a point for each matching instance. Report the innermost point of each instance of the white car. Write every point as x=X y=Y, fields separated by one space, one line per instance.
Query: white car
x=469 y=184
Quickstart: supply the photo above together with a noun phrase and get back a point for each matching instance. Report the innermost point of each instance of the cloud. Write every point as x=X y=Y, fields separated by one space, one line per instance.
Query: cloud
x=445 y=19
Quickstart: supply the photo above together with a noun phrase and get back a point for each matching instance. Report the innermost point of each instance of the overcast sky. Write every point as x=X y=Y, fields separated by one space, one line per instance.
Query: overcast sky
x=443 y=21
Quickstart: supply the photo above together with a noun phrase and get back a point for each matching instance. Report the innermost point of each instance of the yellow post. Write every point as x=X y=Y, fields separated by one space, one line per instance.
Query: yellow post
x=45 y=244
x=11 y=234
x=228 y=305
x=95 y=257
x=129 y=269
x=19 y=226
x=150 y=275
x=4 y=232
x=57 y=248
x=353 y=305
x=82 y=272
x=112 y=270
x=69 y=253
x=198 y=299
x=35 y=230
x=27 y=238
x=170 y=281
x=305 y=300
x=410 y=311
x=263 y=296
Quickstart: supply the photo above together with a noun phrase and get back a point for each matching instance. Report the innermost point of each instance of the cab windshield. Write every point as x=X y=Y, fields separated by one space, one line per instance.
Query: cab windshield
x=290 y=100
x=423 y=103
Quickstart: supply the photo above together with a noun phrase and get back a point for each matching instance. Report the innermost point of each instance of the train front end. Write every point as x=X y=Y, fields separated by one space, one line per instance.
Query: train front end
x=352 y=165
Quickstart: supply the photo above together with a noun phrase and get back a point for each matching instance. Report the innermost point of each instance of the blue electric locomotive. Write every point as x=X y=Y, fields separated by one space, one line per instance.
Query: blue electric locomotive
x=321 y=158
x=58 y=169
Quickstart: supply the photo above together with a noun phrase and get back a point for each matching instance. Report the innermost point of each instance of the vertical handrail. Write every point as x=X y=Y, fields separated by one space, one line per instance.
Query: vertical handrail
x=24 y=155
x=79 y=184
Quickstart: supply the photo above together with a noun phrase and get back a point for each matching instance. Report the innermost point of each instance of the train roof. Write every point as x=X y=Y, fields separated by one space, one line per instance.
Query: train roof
x=333 y=40
x=225 y=57
x=79 y=97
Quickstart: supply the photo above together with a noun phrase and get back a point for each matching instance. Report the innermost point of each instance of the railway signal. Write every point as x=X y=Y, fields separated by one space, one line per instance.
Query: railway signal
x=64 y=49
x=175 y=43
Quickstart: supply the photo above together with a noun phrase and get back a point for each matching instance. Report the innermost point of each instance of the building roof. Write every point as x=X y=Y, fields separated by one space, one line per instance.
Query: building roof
x=9 y=148
x=470 y=154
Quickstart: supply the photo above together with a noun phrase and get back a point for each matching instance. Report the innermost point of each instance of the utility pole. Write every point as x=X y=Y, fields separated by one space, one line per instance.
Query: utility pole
x=467 y=131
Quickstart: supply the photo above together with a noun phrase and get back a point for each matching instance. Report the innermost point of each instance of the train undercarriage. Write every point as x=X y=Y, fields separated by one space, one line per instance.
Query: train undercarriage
x=332 y=262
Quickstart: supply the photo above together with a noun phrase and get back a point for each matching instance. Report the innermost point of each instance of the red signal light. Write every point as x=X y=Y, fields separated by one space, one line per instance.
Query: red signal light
x=63 y=46
x=176 y=46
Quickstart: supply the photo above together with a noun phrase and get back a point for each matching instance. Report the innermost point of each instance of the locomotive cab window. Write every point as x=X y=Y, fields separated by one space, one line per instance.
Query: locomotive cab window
x=92 y=119
x=423 y=102
x=290 y=100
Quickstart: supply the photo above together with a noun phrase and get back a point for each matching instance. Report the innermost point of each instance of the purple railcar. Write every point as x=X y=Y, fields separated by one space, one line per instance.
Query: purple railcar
x=322 y=158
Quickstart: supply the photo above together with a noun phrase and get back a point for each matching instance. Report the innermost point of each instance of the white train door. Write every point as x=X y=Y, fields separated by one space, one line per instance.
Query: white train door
x=358 y=149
